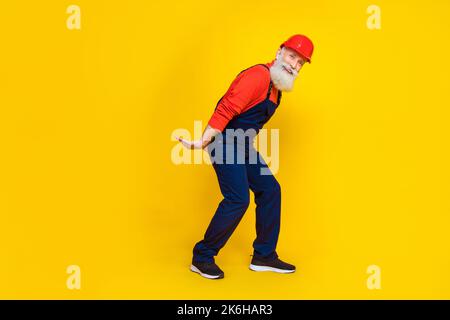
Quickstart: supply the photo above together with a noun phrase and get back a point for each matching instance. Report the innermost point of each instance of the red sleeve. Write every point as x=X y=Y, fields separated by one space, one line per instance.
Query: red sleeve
x=247 y=89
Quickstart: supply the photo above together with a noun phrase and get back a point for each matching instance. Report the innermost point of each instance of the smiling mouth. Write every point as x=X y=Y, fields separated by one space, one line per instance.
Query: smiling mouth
x=288 y=71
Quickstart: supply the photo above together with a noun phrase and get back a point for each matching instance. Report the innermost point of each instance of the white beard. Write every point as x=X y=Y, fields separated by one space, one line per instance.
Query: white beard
x=283 y=80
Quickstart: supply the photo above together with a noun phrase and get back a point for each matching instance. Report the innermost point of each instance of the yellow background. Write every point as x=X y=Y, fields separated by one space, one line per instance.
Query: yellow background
x=86 y=123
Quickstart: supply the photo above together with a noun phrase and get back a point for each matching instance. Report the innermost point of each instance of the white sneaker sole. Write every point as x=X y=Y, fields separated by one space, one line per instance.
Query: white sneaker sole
x=265 y=268
x=208 y=276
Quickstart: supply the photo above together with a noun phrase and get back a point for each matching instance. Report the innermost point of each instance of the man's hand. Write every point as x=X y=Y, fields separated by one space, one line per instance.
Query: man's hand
x=206 y=139
x=191 y=144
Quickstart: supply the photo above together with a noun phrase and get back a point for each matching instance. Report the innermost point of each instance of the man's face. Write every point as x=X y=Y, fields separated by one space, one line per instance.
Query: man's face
x=292 y=59
x=285 y=69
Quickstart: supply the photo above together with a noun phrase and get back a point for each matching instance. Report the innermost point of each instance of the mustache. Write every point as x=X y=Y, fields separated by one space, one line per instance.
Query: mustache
x=294 y=72
x=283 y=80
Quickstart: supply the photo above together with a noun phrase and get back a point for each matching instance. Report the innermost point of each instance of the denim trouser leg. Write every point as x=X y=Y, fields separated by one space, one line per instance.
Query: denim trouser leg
x=235 y=190
x=235 y=180
x=267 y=193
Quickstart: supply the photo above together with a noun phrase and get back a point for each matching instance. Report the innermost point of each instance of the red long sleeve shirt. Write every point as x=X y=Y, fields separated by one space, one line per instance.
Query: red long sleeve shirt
x=247 y=90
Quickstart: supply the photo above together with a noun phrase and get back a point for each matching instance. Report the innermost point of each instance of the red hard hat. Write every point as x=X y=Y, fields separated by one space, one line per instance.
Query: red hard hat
x=300 y=44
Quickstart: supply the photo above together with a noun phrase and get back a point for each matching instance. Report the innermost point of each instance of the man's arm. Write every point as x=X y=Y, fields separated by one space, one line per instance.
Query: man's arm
x=206 y=139
x=245 y=90
x=249 y=88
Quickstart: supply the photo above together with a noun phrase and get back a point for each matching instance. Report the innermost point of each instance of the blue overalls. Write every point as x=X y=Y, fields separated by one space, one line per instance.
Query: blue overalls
x=235 y=180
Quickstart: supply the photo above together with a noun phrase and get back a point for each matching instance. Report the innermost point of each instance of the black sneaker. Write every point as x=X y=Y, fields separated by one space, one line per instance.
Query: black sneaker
x=274 y=265
x=208 y=270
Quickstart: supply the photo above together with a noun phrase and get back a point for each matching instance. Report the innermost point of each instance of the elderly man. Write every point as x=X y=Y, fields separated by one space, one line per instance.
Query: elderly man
x=248 y=104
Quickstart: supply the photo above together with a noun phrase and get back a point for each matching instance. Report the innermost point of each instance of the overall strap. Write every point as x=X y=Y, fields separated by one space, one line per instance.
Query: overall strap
x=279 y=97
x=270 y=88
x=269 y=91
